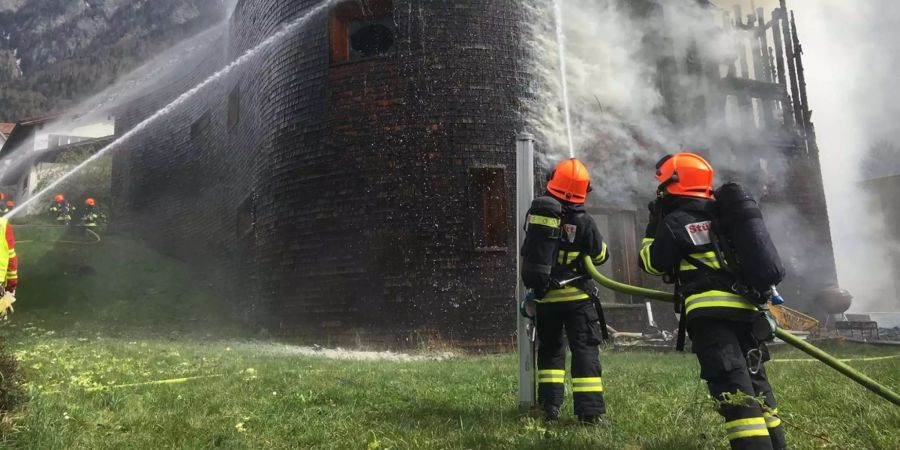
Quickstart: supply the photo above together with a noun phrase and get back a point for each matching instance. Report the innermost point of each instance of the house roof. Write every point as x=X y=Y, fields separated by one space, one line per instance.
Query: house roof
x=22 y=129
x=6 y=129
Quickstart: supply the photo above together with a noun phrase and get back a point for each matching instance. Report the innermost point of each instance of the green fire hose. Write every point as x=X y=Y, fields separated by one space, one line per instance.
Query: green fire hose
x=804 y=346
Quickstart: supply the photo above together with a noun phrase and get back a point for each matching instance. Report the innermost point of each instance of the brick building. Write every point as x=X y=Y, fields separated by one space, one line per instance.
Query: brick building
x=356 y=181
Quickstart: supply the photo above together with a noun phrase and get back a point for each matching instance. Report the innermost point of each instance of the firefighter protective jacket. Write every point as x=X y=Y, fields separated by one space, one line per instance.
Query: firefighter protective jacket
x=9 y=262
x=580 y=236
x=62 y=211
x=90 y=217
x=685 y=231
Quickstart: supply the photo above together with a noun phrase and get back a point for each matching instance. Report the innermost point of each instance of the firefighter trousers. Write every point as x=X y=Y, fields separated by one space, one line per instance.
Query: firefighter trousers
x=578 y=323
x=722 y=348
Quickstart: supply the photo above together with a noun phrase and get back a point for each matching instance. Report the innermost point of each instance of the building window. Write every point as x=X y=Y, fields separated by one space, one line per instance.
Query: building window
x=234 y=107
x=361 y=29
x=488 y=203
x=200 y=125
x=246 y=217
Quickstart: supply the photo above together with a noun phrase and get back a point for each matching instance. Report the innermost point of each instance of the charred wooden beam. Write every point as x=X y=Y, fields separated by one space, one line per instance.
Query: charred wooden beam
x=762 y=37
x=764 y=70
x=792 y=68
x=801 y=79
x=745 y=104
x=744 y=87
x=786 y=105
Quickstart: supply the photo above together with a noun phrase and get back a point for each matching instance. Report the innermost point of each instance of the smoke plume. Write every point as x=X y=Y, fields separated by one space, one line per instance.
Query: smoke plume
x=852 y=53
x=622 y=123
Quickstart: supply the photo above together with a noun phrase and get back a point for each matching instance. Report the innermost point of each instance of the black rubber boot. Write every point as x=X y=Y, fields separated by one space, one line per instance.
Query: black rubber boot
x=589 y=420
x=551 y=414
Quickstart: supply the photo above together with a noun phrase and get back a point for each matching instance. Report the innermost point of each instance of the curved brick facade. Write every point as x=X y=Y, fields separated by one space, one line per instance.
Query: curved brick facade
x=359 y=174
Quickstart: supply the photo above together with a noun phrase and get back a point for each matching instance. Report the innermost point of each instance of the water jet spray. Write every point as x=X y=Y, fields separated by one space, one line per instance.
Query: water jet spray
x=285 y=31
x=563 y=73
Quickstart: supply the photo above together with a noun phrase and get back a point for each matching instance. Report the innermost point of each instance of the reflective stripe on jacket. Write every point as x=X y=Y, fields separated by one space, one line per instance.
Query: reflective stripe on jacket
x=685 y=232
x=579 y=236
x=9 y=270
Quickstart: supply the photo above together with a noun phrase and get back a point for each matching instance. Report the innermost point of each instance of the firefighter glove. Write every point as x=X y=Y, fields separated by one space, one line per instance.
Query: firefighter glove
x=6 y=305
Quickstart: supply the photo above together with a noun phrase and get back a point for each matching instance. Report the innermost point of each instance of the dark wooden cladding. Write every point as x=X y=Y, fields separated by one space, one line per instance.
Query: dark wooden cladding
x=358 y=174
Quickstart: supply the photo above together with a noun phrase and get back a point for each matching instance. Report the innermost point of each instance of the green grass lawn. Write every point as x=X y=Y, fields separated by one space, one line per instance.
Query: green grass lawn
x=121 y=316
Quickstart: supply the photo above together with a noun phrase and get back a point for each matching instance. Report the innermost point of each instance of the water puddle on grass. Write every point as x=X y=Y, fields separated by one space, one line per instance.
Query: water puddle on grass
x=269 y=348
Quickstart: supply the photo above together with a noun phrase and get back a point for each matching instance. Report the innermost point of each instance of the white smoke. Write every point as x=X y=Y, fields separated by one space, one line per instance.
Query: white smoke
x=852 y=55
x=618 y=55
x=610 y=88
x=619 y=114
x=852 y=61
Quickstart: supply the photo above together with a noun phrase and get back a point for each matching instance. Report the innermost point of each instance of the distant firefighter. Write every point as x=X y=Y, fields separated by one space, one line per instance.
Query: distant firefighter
x=91 y=213
x=7 y=206
x=61 y=210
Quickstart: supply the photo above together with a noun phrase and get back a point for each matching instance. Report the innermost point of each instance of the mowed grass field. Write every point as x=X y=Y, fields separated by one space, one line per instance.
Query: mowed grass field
x=122 y=348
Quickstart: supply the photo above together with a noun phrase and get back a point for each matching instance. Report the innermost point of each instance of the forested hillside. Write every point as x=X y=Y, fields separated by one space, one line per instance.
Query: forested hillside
x=54 y=52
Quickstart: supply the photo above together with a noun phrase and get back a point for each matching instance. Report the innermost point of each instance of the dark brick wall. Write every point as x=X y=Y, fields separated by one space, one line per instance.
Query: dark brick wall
x=358 y=174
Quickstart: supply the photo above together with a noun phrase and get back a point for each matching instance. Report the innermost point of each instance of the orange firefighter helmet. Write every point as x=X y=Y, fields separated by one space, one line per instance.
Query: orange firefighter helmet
x=570 y=181
x=10 y=203
x=685 y=174
x=58 y=198
x=2 y=196
x=90 y=202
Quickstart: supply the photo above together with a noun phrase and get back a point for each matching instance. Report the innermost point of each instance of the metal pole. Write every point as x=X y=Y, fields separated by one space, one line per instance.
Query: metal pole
x=524 y=196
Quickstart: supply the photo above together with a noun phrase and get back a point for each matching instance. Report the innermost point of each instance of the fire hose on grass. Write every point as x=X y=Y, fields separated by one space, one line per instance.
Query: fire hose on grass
x=789 y=338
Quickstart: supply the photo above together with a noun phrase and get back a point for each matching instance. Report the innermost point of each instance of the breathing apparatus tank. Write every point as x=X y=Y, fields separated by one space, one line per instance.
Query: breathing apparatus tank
x=542 y=233
x=748 y=246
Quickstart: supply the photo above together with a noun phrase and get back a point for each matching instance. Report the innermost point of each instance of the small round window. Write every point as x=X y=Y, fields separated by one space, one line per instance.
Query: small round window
x=371 y=39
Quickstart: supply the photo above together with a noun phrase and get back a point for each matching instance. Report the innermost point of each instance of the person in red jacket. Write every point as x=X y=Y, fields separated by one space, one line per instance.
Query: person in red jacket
x=9 y=268
x=11 y=276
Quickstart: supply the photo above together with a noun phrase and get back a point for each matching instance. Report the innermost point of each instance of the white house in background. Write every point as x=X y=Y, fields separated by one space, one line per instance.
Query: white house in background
x=33 y=146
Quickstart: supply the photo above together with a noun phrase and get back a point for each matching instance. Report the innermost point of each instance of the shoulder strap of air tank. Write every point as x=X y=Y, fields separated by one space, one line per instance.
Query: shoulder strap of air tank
x=682 y=314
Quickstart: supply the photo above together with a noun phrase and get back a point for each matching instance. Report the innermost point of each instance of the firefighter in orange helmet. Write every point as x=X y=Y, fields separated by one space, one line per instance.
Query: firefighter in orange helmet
x=680 y=243
x=569 y=308
x=61 y=210
x=7 y=206
x=91 y=215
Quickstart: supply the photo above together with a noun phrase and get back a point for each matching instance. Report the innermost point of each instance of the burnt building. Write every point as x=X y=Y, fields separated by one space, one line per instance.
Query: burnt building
x=355 y=180
x=748 y=112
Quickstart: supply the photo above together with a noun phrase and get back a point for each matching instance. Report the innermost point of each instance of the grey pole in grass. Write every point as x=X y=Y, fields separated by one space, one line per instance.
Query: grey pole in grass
x=524 y=196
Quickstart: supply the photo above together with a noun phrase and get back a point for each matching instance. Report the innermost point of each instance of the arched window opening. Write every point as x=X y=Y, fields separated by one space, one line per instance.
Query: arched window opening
x=362 y=29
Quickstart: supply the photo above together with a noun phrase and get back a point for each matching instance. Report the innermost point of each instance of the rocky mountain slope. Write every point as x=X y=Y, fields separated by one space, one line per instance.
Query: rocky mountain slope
x=54 y=52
